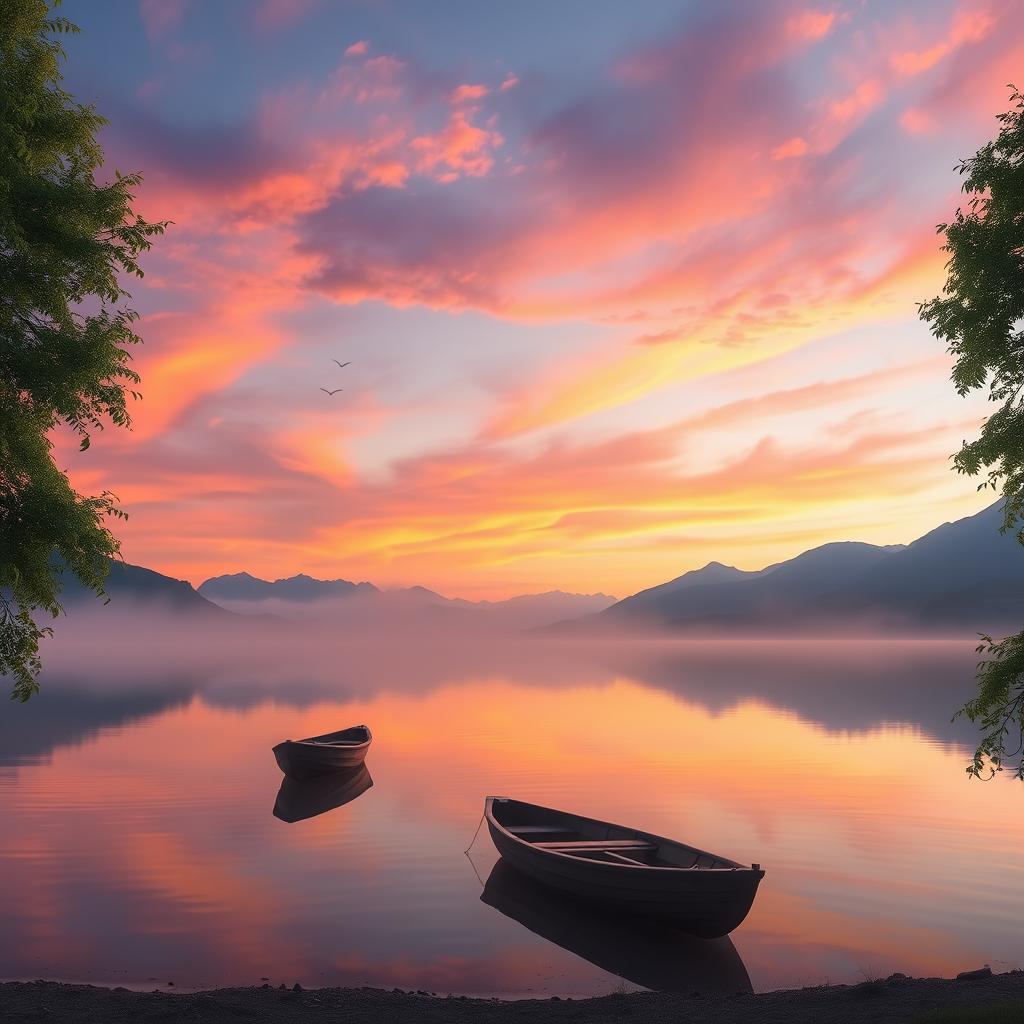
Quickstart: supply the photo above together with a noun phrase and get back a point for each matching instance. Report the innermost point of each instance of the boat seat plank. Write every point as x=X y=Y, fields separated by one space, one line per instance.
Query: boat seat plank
x=625 y=860
x=568 y=845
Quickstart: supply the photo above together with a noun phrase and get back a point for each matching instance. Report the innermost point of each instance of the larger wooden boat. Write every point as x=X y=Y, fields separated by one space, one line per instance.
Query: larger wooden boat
x=318 y=755
x=637 y=949
x=622 y=868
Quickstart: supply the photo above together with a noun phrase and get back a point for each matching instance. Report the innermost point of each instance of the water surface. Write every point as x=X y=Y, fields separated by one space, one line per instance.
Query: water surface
x=139 y=842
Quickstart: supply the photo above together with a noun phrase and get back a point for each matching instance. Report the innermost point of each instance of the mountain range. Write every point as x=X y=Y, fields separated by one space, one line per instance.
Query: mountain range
x=342 y=601
x=962 y=576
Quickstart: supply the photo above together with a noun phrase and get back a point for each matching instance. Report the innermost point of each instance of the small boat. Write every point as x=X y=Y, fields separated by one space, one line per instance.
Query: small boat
x=318 y=755
x=298 y=799
x=622 y=868
x=645 y=952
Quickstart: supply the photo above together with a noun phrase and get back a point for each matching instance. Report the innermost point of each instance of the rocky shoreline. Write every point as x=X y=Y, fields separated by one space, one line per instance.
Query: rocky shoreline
x=897 y=999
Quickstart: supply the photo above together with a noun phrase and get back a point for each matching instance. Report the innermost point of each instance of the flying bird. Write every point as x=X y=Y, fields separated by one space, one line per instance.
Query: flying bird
x=342 y=365
x=334 y=392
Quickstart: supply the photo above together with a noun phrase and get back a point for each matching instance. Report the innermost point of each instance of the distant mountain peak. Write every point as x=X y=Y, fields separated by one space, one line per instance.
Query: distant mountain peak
x=233 y=576
x=243 y=586
x=713 y=572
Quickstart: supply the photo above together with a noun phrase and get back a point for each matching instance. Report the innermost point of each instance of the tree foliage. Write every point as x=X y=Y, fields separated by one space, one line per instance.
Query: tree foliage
x=67 y=240
x=980 y=317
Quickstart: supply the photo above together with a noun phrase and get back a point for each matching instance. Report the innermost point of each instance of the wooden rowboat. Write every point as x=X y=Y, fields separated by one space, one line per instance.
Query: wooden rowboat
x=298 y=799
x=622 y=868
x=637 y=949
x=318 y=755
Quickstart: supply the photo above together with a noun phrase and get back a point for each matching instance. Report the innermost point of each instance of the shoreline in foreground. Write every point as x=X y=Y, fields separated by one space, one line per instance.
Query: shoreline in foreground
x=897 y=999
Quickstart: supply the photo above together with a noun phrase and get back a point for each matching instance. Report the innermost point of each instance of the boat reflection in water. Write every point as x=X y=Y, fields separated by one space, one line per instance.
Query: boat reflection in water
x=298 y=799
x=638 y=950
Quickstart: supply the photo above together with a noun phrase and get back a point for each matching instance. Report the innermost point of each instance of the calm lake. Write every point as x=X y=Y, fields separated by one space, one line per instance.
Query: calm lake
x=139 y=846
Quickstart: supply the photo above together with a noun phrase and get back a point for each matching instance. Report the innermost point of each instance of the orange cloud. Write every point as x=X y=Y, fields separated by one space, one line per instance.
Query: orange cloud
x=466 y=93
x=864 y=98
x=208 y=353
x=811 y=24
x=577 y=510
x=460 y=148
x=791 y=148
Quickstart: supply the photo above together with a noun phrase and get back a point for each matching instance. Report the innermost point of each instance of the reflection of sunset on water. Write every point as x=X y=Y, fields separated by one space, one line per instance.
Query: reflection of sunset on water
x=151 y=847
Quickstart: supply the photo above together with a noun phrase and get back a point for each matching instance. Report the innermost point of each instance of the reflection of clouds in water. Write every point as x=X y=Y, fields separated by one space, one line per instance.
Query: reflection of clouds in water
x=152 y=847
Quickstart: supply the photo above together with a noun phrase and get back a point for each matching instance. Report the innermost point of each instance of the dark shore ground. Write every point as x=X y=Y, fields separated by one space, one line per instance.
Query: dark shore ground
x=896 y=999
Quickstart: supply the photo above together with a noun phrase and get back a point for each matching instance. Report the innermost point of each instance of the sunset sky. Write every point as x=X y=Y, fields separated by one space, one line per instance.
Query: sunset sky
x=626 y=287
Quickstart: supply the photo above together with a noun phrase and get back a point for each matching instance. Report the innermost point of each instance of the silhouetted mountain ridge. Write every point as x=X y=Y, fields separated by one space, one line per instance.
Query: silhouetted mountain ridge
x=344 y=602
x=241 y=586
x=135 y=586
x=964 y=574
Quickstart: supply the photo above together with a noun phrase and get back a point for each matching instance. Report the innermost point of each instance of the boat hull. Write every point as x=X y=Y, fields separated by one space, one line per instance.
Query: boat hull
x=306 y=759
x=705 y=903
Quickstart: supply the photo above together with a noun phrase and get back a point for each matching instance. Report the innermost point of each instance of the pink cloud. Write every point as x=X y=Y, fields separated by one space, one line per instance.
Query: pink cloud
x=357 y=49
x=161 y=16
x=969 y=26
x=811 y=24
x=509 y=82
x=864 y=98
x=459 y=148
x=791 y=148
x=275 y=14
x=916 y=121
x=377 y=80
x=467 y=93
x=967 y=83
x=622 y=177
